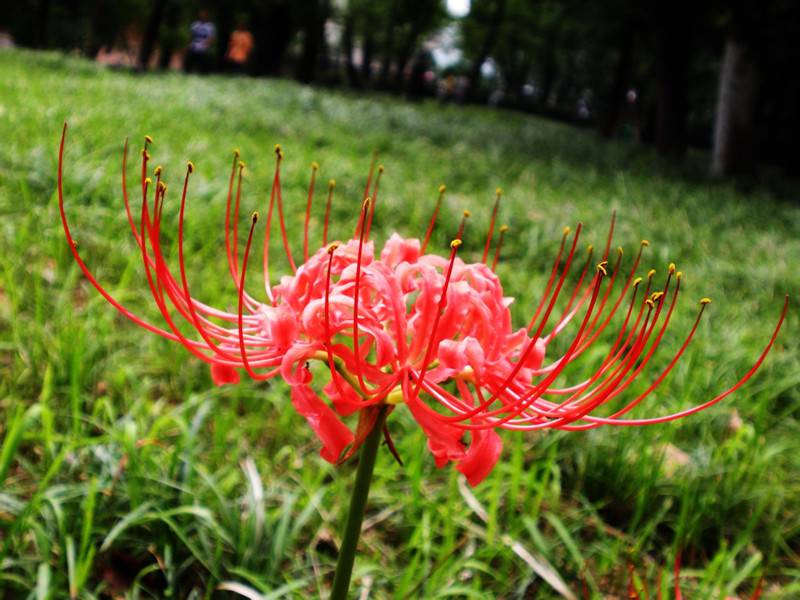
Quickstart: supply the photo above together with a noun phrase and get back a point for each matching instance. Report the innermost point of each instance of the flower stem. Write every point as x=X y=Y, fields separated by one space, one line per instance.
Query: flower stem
x=355 y=515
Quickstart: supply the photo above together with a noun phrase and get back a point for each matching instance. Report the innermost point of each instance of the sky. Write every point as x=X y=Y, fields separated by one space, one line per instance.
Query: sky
x=458 y=8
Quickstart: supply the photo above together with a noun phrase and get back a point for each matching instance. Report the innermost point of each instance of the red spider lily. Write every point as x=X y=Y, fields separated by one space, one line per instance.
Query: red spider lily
x=406 y=326
x=634 y=593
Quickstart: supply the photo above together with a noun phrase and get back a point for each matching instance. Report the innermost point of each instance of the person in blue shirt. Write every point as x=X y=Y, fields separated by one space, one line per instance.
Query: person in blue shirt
x=199 y=53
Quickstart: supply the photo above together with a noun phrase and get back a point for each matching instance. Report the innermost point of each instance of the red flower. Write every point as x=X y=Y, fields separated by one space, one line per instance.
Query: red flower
x=410 y=327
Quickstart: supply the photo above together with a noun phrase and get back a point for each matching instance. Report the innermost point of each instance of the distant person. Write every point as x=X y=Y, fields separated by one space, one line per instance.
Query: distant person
x=240 y=46
x=199 y=53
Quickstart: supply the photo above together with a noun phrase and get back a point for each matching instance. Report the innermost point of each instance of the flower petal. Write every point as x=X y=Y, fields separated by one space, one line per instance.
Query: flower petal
x=481 y=456
x=334 y=435
x=223 y=374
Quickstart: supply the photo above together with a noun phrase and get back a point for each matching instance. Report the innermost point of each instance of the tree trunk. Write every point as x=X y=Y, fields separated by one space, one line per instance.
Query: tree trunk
x=224 y=27
x=167 y=42
x=273 y=28
x=673 y=56
x=733 y=150
x=610 y=120
x=492 y=33
x=388 y=48
x=347 y=40
x=366 y=54
x=151 y=33
x=42 y=34
x=313 y=31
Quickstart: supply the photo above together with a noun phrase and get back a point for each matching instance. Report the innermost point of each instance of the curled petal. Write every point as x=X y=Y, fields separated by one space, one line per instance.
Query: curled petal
x=481 y=456
x=223 y=374
x=334 y=435
x=398 y=250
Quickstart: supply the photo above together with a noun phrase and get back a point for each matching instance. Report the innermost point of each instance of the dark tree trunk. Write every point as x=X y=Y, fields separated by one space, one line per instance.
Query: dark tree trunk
x=347 y=39
x=151 y=33
x=673 y=56
x=42 y=32
x=388 y=50
x=313 y=32
x=224 y=27
x=734 y=128
x=489 y=42
x=167 y=42
x=367 y=50
x=550 y=69
x=610 y=121
x=273 y=28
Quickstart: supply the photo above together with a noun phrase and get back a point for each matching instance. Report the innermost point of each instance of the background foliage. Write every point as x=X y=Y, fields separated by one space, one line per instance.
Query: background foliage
x=123 y=470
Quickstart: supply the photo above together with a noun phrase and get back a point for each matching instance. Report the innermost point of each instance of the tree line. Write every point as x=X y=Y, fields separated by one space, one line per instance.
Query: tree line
x=717 y=74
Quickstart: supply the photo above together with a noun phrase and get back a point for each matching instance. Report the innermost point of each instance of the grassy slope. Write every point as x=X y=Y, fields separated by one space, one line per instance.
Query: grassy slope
x=111 y=436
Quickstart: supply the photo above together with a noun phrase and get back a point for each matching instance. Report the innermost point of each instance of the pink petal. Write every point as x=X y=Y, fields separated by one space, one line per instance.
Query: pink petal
x=223 y=374
x=334 y=435
x=481 y=456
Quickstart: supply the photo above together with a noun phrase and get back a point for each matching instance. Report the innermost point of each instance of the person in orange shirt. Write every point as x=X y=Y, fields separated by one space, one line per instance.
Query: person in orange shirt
x=240 y=45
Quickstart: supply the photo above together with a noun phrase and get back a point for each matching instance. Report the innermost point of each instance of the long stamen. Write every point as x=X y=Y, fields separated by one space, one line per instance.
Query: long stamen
x=331 y=187
x=374 y=199
x=432 y=223
x=228 y=249
x=242 y=346
x=503 y=229
x=356 y=294
x=281 y=220
x=464 y=216
x=314 y=169
x=498 y=194
x=454 y=245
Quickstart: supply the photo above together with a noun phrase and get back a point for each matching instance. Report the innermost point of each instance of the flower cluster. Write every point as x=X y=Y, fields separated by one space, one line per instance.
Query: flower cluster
x=405 y=326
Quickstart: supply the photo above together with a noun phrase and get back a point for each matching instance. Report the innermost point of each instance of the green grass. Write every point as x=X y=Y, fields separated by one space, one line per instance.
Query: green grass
x=124 y=470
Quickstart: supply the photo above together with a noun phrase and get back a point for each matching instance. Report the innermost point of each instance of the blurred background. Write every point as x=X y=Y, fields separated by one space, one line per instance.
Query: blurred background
x=125 y=473
x=713 y=75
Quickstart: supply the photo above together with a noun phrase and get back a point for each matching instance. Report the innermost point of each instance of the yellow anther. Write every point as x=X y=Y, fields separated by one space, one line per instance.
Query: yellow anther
x=650 y=273
x=590 y=248
x=145 y=153
x=366 y=203
x=619 y=250
x=637 y=281
x=332 y=248
x=380 y=169
x=645 y=243
x=705 y=301
x=331 y=183
x=148 y=181
x=442 y=188
x=455 y=243
x=162 y=187
x=190 y=166
x=672 y=267
x=655 y=296
x=314 y=166
x=148 y=139
x=650 y=303
x=278 y=150
x=157 y=171
x=678 y=275
x=241 y=165
x=236 y=153
x=254 y=216
x=602 y=267
x=498 y=191
x=503 y=228
x=566 y=230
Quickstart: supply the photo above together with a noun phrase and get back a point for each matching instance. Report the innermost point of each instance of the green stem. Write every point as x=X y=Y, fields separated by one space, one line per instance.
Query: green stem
x=355 y=515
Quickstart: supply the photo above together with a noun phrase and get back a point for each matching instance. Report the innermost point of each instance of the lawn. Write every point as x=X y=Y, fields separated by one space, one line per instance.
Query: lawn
x=125 y=471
